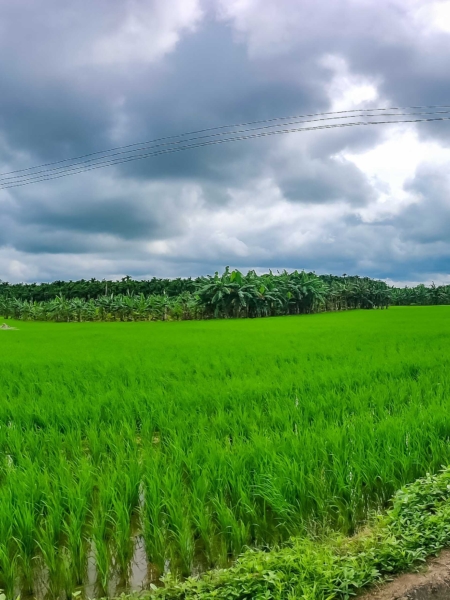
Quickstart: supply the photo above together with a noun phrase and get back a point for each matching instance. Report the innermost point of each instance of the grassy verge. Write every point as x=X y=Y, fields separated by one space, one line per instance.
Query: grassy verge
x=417 y=526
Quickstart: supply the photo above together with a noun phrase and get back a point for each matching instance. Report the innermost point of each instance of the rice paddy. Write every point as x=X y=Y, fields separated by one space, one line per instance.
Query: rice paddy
x=179 y=444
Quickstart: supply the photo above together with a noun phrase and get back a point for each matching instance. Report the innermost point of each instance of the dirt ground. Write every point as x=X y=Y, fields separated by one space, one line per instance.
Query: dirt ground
x=431 y=583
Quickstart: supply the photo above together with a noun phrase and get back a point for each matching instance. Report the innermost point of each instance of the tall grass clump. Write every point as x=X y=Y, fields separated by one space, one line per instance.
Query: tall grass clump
x=206 y=438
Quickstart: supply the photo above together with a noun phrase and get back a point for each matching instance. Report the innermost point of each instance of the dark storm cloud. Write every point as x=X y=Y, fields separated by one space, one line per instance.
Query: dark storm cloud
x=63 y=216
x=427 y=221
x=82 y=77
x=324 y=181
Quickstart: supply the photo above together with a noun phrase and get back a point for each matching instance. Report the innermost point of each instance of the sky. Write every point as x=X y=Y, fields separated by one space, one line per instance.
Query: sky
x=85 y=76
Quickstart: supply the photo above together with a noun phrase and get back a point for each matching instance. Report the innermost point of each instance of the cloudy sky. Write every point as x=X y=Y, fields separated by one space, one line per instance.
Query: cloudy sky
x=79 y=77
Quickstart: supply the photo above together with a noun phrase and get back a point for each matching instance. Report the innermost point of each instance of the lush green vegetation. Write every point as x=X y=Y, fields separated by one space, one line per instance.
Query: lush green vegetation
x=347 y=287
x=421 y=295
x=417 y=526
x=199 y=438
x=230 y=295
x=127 y=286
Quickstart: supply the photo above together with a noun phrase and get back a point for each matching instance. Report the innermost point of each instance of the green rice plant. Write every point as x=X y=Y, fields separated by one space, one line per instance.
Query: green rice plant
x=53 y=516
x=24 y=535
x=183 y=546
x=59 y=572
x=9 y=568
x=65 y=575
x=178 y=520
x=122 y=535
x=208 y=437
x=74 y=527
x=206 y=530
x=234 y=531
x=102 y=551
x=76 y=544
x=48 y=548
x=153 y=521
x=202 y=516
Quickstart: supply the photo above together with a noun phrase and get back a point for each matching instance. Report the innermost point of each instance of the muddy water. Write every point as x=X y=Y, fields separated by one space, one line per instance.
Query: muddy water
x=140 y=575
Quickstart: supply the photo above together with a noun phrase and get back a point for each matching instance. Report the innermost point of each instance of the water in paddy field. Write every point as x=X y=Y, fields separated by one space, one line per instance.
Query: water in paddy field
x=140 y=575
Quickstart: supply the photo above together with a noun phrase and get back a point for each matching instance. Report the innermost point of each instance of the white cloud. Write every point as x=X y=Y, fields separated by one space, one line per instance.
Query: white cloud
x=148 y=31
x=275 y=27
x=391 y=164
x=347 y=90
x=441 y=15
x=269 y=27
x=434 y=16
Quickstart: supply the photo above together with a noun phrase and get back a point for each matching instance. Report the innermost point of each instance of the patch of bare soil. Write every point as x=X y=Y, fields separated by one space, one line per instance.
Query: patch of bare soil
x=431 y=583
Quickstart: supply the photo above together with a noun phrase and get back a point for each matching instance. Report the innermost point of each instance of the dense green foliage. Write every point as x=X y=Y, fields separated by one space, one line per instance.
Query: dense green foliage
x=198 y=438
x=93 y=288
x=230 y=295
x=421 y=295
x=84 y=289
x=417 y=526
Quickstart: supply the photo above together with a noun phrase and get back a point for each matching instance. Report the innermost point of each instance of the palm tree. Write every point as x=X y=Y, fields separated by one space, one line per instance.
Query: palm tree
x=231 y=294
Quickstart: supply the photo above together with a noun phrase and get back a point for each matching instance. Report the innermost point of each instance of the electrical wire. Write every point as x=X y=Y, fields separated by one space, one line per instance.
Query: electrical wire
x=76 y=169
x=342 y=112
x=4 y=180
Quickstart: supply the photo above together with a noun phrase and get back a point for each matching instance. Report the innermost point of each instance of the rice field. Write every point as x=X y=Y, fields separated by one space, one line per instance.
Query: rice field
x=131 y=449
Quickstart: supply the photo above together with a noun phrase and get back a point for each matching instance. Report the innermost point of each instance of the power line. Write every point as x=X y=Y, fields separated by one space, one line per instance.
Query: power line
x=214 y=142
x=113 y=162
x=68 y=168
x=342 y=112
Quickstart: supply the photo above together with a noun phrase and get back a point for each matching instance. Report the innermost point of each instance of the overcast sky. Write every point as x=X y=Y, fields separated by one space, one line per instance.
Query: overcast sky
x=77 y=77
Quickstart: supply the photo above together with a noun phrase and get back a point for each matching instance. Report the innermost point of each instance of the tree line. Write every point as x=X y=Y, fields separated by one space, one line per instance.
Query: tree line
x=420 y=295
x=230 y=295
x=86 y=289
